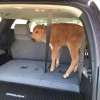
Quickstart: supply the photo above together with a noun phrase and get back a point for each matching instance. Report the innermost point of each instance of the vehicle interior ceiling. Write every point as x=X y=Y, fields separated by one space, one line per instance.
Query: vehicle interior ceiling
x=21 y=53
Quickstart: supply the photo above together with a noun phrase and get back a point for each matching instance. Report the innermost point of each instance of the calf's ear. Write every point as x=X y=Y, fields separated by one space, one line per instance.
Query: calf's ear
x=42 y=26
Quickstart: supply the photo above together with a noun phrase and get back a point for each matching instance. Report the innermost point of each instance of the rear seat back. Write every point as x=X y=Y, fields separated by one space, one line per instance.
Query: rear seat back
x=25 y=48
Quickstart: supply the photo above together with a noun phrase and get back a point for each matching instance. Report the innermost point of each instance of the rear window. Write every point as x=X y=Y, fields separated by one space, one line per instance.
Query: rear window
x=19 y=21
x=0 y=19
x=32 y=25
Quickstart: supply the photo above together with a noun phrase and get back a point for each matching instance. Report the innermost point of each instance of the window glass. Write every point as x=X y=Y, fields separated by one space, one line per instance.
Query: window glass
x=32 y=25
x=0 y=19
x=18 y=21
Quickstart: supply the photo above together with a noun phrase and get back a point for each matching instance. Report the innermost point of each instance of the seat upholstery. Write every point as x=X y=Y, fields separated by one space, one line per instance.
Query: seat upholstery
x=24 y=47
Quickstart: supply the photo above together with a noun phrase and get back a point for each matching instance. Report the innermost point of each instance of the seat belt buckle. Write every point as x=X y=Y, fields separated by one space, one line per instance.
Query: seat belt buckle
x=87 y=73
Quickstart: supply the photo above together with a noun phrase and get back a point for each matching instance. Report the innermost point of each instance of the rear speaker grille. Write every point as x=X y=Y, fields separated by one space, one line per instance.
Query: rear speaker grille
x=12 y=91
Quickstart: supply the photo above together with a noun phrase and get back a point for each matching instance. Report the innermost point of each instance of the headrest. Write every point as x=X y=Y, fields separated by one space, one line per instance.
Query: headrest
x=22 y=29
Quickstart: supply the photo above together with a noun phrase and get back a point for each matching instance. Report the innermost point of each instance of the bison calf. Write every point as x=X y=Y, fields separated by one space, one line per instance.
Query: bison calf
x=61 y=35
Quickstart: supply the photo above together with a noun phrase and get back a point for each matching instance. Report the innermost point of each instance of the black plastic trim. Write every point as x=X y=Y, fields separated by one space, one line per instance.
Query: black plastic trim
x=14 y=91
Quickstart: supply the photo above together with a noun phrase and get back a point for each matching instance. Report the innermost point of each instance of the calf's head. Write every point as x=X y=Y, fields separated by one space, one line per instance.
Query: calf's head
x=38 y=32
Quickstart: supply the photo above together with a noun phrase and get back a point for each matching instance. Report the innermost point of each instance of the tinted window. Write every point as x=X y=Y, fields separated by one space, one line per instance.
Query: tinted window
x=0 y=19
x=18 y=21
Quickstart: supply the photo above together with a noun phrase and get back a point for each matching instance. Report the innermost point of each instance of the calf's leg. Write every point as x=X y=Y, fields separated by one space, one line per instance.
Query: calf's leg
x=55 y=58
x=73 y=48
x=58 y=58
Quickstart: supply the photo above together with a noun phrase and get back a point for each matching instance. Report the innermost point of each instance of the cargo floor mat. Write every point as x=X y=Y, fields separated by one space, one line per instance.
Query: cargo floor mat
x=13 y=91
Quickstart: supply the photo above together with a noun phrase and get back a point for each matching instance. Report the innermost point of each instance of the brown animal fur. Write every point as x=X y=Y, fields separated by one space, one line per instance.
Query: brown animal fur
x=61 y=34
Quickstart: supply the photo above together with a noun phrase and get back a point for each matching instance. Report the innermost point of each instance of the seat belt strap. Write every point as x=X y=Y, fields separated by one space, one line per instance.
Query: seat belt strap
x=10 y=54
x=49 y=22
x=81 y=56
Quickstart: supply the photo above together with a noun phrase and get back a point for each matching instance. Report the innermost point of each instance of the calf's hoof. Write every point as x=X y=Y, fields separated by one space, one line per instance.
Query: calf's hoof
x=65 y=76
x=76 y=68
x=51 y=69
x=57 y=65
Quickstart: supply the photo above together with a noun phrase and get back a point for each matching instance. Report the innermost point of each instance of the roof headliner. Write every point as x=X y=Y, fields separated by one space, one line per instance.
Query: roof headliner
x=39 y=11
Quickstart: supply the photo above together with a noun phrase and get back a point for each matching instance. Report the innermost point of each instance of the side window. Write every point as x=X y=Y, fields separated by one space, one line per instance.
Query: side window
x=0 y=19
x=32 y=25
x=19 y=21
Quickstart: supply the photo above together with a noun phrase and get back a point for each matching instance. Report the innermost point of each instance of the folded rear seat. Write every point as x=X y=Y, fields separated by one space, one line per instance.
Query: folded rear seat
x=28 y=64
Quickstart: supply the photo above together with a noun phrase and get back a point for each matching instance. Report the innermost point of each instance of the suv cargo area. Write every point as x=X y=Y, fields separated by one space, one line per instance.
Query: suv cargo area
x=22 y=61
